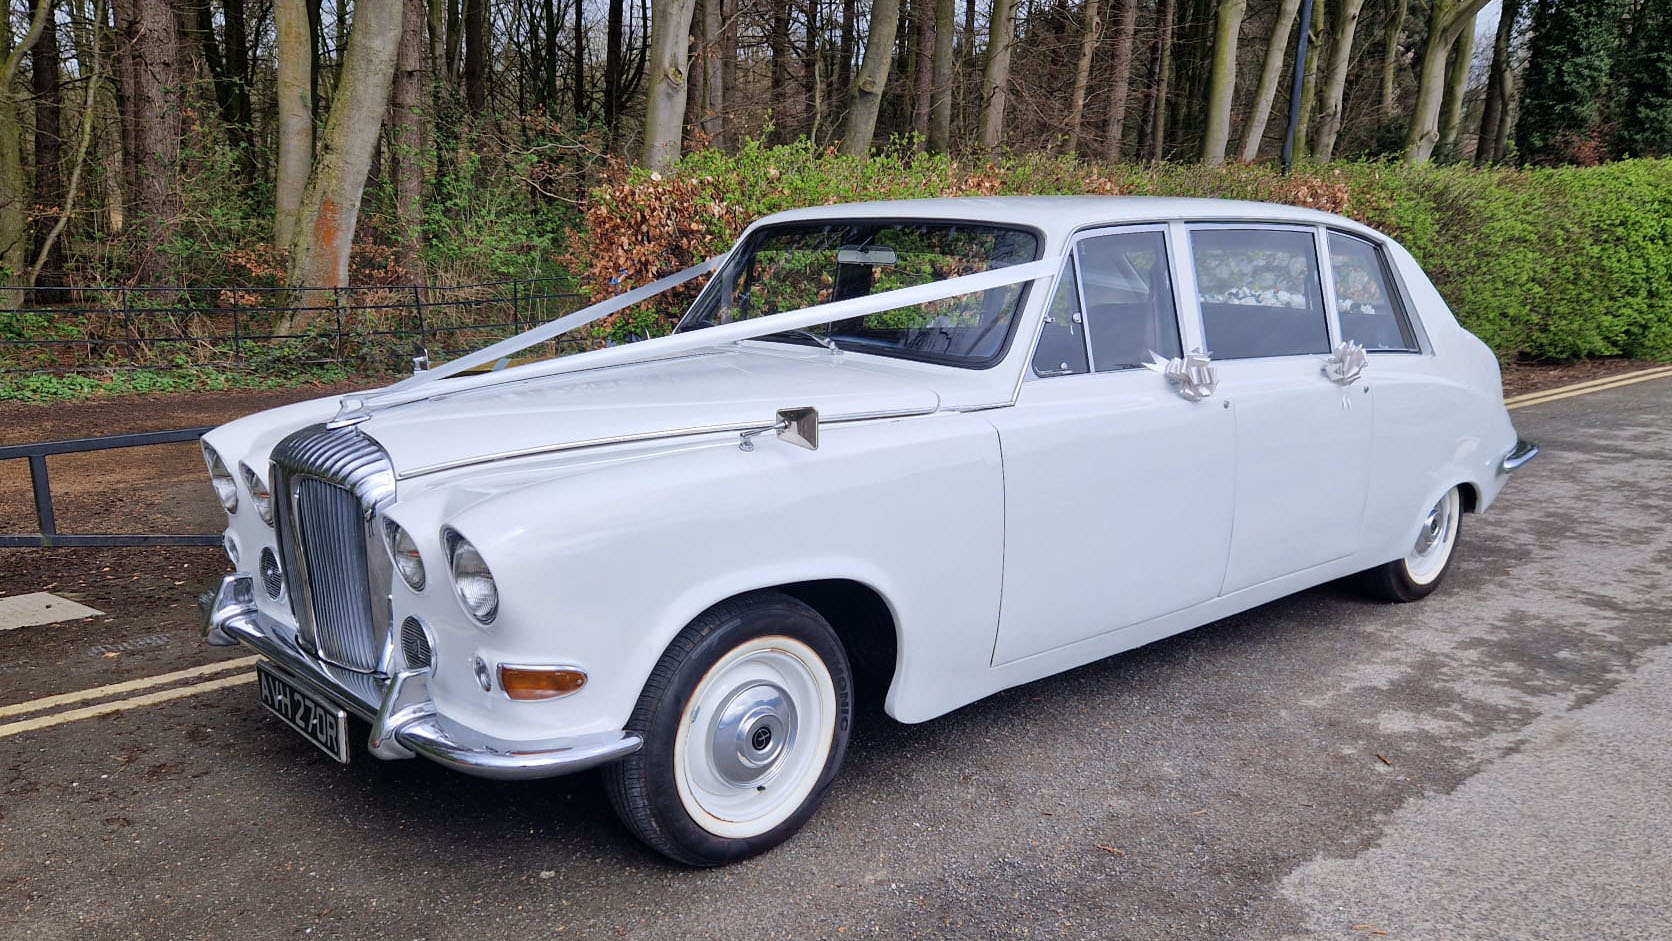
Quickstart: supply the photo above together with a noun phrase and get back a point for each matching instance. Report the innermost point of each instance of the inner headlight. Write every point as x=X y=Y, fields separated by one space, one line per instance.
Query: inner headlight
x=404 y=552
x=471 y=579
x=258 y=493
x=225 y=487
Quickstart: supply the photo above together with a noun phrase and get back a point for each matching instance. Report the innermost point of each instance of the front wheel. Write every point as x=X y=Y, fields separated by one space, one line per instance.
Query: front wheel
x=1420 y=571
x=745 y=721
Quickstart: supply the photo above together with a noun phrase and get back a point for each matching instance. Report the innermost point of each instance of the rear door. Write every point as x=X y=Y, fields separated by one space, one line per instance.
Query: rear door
x=1117 y=490
x=1303 y=443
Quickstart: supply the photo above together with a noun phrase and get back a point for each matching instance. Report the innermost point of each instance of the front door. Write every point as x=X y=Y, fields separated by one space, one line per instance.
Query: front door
x=1117 y=490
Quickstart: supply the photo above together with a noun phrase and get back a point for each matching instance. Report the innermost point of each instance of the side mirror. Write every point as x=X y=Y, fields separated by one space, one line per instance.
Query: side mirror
x=799 y=426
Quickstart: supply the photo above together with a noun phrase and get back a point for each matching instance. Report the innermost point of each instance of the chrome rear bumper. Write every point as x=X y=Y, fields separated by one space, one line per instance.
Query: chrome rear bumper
x=399 y=708
x=1523 y=452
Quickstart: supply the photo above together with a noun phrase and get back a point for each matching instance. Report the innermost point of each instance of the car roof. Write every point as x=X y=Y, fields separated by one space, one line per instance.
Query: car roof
x=1059 y=216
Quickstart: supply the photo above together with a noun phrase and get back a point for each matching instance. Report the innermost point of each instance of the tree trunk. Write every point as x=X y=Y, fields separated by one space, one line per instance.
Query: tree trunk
x=406 y=146
x=455 y=40
x=730 y=14
x=1216 y=133
x=1446 y=22
x=844 y=50
x=14 y=186
x=294 y=50
x=49 y=143
x=940 y=95
x=1309 y=84
x=714 y=75
x=578 y=79
x=1271 y=72
x=670 y=36
x=238 y=69
x=866 y=98
x=475 y=55
x=1457 y=85
x=319 y=252
x=923 y=69
x=153 y=38
x=1335 y=80
x=1160 y=70
x=1091 y=29
x=778 y=44
x=438 y=39
x=995 y=77
x=614 y=33
x=1495 y=109
x=1114 y=122
x=1391 y=31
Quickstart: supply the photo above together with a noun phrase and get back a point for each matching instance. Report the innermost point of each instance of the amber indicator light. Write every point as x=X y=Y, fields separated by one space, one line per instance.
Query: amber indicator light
x=536 y=683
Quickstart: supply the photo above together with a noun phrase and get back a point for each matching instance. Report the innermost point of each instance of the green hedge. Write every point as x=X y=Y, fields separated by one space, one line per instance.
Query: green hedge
x=1548 y=264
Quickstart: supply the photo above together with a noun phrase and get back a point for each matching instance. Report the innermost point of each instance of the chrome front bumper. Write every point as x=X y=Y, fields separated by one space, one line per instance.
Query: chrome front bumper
x=1523 y=452
x=399 y=708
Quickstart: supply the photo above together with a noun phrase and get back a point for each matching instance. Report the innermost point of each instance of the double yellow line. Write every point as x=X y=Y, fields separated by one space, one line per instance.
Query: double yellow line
x=119 y=689
x=1586 y=388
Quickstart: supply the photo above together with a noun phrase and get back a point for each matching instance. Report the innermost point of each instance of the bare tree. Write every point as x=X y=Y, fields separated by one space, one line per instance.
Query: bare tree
x=1446 y=21
x=152 y=34
x=1392 y=27
x=1114 y=124
x=1499 y=87
x=922 y=67
x=294 y=106
x=940 y=95
x=14 y=187
x=1091 y=29
x=866 y=98
x=475 y=55
x=1335 y=80
x=995 y=77
x=1160 y=72
x=1271 y=72
x=1457 y=84
x=1216 y=135
x=664 y=112
x=319 y=250
x=49 y=146
x=714 y=74
x=406 y=145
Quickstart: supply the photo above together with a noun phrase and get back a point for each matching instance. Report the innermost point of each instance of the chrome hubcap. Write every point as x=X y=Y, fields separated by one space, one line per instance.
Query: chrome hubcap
x=1435 y=537
x=753 y=730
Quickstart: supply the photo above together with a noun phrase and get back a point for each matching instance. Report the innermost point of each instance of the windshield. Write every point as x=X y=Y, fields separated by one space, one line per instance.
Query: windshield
x=787 y=267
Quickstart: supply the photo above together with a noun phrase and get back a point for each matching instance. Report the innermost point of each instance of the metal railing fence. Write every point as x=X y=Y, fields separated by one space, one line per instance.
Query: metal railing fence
x=97 y=329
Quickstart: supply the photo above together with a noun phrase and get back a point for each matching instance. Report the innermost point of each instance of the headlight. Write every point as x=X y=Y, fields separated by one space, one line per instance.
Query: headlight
x=225 y=487
x=258 y=493
x=404 y=552
x=471 y=579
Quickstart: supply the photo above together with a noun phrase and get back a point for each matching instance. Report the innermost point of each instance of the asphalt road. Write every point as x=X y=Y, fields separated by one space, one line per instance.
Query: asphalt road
x=1489 y=763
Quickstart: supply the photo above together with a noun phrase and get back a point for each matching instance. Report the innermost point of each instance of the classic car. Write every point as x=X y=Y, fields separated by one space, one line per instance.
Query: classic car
x=931 y=448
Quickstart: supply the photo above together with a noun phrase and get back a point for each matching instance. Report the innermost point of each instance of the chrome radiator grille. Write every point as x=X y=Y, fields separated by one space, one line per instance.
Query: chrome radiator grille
x=327 y=485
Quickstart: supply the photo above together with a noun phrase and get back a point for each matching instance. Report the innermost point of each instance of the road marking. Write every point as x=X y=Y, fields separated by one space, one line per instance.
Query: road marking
x=1585 y=388
x=100 y=692
x=123 y=705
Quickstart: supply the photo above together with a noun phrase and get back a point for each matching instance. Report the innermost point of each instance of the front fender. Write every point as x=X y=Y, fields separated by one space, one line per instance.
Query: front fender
x=602 y=568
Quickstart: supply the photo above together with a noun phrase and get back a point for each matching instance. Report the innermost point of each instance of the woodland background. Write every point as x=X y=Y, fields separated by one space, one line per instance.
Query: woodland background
x=1517 y=146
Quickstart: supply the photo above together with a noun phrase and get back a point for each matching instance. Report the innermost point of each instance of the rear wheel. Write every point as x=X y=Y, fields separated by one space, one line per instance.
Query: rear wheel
x=745 y=721
x=1417 y=574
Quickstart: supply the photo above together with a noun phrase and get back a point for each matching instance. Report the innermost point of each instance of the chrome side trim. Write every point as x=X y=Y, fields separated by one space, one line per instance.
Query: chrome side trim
x=731 y=428
x=400 y=709
x=1523 y=452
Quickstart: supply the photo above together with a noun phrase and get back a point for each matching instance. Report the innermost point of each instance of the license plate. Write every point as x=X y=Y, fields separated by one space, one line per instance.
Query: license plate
x=319 y=722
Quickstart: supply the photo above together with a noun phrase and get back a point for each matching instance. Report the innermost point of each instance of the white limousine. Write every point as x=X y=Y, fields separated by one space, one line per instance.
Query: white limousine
x=942 y=446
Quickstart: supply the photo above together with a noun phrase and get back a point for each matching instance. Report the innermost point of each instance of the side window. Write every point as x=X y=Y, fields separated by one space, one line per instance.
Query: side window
x=1369 y=313
x=1062 y=341
x=1260 y=292
x=1129 y=299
